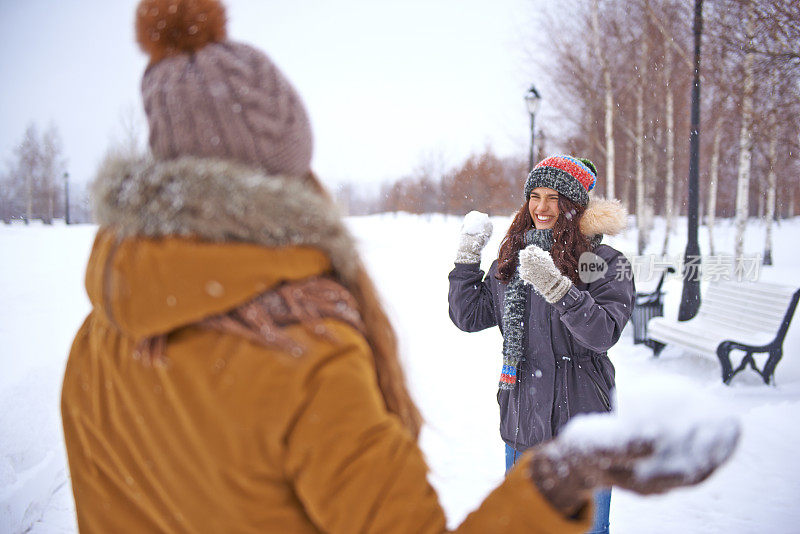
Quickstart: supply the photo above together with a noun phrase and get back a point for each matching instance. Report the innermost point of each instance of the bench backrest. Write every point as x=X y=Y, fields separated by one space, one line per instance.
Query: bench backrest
x=749 y=306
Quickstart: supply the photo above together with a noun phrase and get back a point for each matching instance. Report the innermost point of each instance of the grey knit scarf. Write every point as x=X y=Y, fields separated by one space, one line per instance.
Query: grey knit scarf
x=514 y=313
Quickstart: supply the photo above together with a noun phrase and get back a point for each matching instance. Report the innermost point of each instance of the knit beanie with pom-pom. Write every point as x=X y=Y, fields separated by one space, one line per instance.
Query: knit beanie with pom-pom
x=209 y=97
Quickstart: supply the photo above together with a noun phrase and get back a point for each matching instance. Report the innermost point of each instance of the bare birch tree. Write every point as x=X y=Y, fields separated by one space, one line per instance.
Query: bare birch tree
x=28 y=155
x=772 y=181
x=669 y=186
x=713 y=181
x=32 y=181
x=608 y=94
x=641 y=215
x=51 y=173
x=745 y=140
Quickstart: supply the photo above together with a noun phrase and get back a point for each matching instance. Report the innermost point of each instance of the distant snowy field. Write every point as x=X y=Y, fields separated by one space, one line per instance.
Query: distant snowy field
x=452 y=375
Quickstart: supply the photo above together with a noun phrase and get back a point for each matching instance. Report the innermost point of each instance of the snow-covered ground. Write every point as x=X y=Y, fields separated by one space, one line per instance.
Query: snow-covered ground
x=453 y=376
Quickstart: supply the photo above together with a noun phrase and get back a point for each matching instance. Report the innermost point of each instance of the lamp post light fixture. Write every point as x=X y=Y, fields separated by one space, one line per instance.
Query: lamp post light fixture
x=533 y=100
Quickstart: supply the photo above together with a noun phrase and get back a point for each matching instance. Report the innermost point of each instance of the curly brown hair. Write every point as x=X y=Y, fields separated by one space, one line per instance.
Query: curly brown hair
x=568 y=241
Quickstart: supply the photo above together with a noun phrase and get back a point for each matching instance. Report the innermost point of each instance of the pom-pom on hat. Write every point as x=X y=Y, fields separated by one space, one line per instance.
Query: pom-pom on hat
x=572 y=177
x=208 y=97
x=168 y=28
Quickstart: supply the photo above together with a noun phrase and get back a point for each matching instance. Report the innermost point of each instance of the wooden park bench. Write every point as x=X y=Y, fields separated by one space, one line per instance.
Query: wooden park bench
x=752 y=317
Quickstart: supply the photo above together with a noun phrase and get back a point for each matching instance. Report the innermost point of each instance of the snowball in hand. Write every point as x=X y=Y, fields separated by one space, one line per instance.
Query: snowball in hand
x=475 y=233
x=476 y=223
x=689 y=437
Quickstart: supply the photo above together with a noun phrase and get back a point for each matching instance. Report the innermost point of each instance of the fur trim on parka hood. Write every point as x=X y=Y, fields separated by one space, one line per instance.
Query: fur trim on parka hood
x=220 y=202
x=182 y=240
x=603 y=217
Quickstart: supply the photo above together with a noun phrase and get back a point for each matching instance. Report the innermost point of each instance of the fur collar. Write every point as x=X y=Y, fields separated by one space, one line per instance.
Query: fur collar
x=219 y=201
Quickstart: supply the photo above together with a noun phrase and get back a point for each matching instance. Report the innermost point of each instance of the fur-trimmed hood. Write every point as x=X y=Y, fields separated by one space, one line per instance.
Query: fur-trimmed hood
x=219 y=201
x=183 y=240
x=603 y=217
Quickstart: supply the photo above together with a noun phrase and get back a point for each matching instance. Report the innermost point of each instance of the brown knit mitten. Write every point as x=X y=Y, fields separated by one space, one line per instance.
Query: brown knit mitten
x=646 y=461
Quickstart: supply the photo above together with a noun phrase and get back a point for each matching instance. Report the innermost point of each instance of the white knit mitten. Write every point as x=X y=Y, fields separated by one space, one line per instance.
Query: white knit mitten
x=537 y=268
x=475 y=233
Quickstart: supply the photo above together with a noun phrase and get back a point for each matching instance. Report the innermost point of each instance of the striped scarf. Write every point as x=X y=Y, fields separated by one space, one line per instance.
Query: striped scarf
x=514 y=314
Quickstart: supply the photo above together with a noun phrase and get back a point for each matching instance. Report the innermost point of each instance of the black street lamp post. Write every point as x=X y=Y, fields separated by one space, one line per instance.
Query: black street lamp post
x=533 y=99
x=690 y=298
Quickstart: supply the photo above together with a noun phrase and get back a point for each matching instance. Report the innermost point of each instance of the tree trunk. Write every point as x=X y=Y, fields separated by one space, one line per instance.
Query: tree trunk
x=641 y=221
x=771 y=186
x=609 y=100
x=627 y=201
x=745 y=143
x=29 y=194
x=712 y=188
x=650 y=179
x=669 y=192
x=610 y=148
x=50 y=202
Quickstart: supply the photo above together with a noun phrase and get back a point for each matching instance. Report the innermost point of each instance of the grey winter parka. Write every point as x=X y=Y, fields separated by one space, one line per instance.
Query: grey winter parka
x=565 y=369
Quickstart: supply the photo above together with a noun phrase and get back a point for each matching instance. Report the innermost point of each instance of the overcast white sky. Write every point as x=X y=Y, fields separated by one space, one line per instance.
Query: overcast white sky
x=386 y=83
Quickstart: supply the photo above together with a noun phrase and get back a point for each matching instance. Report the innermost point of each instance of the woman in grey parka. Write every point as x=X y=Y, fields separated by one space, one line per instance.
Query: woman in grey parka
x=560 y=299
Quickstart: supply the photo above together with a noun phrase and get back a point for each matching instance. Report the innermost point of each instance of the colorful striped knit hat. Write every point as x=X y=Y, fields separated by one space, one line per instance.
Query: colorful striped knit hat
x=572 y=177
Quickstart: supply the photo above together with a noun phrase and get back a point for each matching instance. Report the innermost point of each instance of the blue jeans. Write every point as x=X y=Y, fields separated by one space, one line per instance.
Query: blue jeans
x=602 y=508
x=511 y=457
x=602 y=498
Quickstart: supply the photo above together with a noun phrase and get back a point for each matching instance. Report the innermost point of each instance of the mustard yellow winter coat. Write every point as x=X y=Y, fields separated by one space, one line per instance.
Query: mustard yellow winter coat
x=226 y=435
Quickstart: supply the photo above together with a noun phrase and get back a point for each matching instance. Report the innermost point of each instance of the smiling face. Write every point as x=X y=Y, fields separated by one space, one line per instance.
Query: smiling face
x=543 y=206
